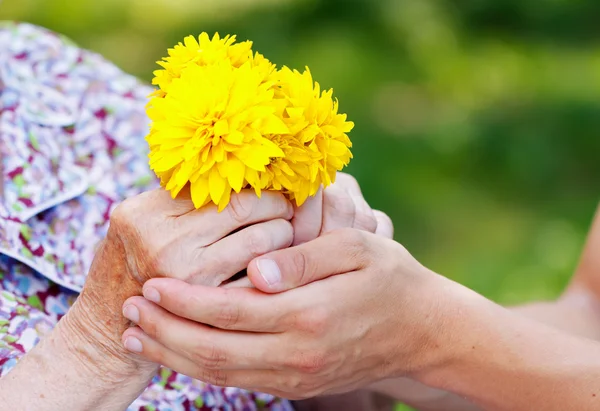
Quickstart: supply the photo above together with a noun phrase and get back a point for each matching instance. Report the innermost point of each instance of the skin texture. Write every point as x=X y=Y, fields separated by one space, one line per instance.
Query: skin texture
x=519 y=363
x=82 y=364
x=340 y=205
x=307 y=335
x=576 y=312
x=442 y=335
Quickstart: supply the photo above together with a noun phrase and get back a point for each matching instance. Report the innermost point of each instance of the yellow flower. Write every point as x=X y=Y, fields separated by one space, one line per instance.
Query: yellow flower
x=209 y=131
x=203 y=52
x=224 y=119
x=317 y=146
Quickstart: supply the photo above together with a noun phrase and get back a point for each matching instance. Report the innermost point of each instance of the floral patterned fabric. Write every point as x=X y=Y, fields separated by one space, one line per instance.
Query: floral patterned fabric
x=72 y=130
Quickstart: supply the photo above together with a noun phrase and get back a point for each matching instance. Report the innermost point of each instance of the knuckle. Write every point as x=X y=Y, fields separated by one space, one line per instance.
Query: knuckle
x=350 y=237
x=213 y=377
x=190 y=301
x=310 y=362
x=228 y=313
x=277 y=205
x=286 y=210
x=160 y=262
x=134 y=210
x=355 y=242
x=156 y=355
x=195 y=268
x=208 y=356
x=299 y=389
x=258 y=241
x=366 y=221
x=292 y=384
x=125 y=213
x=280 y=234
x=151 y=327
x=300 y=267
x=315 y=321
x=341 y=202
x=241 y=206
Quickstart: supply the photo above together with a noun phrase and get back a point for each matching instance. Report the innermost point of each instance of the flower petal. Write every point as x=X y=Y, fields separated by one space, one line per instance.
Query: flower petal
x=216 y=185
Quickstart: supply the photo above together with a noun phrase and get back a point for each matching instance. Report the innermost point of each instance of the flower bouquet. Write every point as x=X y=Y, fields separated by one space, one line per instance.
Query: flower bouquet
x=225 y=118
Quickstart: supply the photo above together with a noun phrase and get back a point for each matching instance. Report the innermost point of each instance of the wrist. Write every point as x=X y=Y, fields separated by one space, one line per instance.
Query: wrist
x=445 y=309
x=468 y=331
x=504 y=361
x=93 y=347
x=92 y=328
x=75 y=368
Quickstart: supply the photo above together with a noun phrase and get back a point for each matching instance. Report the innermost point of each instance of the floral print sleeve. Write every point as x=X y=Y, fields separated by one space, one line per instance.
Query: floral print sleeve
x=72 y=130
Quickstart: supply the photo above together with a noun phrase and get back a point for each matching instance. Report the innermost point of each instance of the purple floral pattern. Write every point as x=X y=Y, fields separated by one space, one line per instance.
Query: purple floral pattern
x=72 y=130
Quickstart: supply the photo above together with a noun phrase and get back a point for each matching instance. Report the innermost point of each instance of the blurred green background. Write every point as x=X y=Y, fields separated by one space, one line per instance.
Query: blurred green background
x=478 y=121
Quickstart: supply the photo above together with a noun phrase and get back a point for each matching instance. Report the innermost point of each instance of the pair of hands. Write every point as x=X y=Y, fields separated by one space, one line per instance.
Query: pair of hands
x=152 y=235
x=327 y=333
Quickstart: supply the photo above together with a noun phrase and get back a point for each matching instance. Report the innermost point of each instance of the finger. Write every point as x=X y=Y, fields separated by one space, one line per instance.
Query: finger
x=207 y=347
x=161 y=200
x=308 y=219
x=232 y=254
x=338 y=209
x=137 y=341
x=243 y=282
x=151 y=204
x=349 y=184
x=364 y=218
x=242 y=309
x=244 y=209
x=385 y=227
x=339 y=252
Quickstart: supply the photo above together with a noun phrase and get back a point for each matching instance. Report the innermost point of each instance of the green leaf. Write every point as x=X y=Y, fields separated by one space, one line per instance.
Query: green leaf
x=35 y=302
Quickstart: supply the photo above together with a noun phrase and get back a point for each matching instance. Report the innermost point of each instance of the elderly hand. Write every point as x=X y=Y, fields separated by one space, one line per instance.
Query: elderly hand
x=152 y=235
x=383 y=318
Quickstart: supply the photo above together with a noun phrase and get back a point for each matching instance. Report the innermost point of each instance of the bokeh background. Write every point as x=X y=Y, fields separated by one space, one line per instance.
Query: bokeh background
x=477 y=121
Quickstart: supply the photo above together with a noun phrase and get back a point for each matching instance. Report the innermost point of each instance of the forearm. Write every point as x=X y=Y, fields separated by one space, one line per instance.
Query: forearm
x=577 y=312
x=65 y=372
x=62 y=373
x=82 y=365
x=574 y=315
x=503 y=361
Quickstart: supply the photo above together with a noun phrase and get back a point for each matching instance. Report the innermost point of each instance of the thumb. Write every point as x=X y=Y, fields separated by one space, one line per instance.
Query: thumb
x=338 y=252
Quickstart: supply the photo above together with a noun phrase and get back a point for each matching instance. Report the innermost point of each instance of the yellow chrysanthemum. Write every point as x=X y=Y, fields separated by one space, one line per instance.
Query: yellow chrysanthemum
x=317 y=146
x=209 y=130
x=224 y=119
x=204 y=52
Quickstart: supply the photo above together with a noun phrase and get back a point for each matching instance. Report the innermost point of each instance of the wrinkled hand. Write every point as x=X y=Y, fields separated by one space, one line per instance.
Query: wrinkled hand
x=381 y=319
x=152 y=235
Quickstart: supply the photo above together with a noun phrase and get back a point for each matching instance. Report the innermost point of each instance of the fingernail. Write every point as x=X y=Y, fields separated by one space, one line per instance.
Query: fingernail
x=269 y=271
x=133 y=344
x=152 y=294
x=132 y=313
